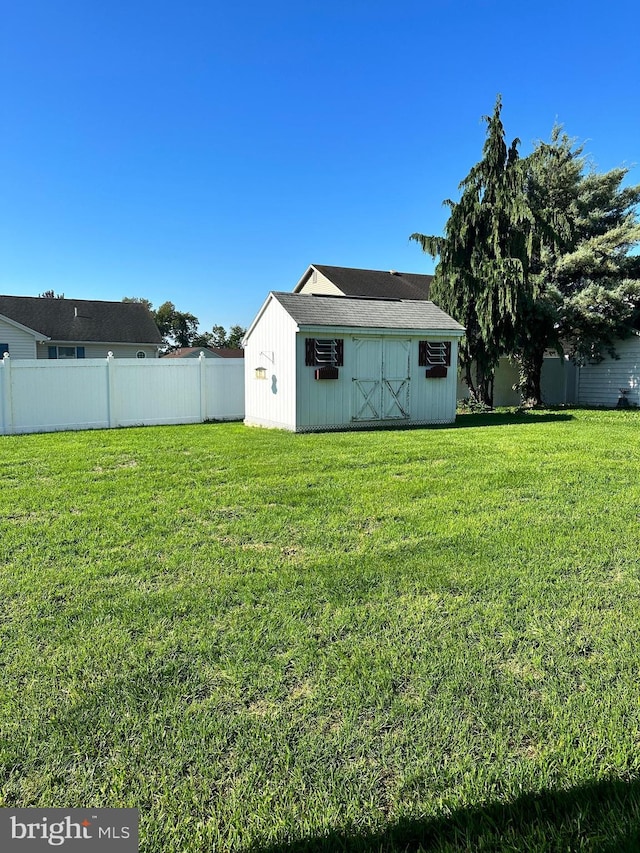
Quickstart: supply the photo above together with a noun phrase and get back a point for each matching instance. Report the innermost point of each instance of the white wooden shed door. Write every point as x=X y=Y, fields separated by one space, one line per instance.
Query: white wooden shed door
x=380 y=379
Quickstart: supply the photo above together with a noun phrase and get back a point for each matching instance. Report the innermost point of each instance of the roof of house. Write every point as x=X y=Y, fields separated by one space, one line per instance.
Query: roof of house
x=359 y=312
x=229 y=352
x=83 y=319
x=214 y=352
x=376 y=283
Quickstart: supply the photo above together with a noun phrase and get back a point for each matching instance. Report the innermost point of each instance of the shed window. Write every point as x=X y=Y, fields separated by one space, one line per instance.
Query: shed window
x=434 y=353
x=324 y=352
x=3 y=348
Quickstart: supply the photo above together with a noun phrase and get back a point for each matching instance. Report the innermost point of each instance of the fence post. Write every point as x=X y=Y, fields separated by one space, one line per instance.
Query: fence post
x=7 y=396
x=203 y=386
x=111 y=369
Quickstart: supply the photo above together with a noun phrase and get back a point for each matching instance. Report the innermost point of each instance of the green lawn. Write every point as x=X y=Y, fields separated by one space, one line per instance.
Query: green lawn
x=355 y=641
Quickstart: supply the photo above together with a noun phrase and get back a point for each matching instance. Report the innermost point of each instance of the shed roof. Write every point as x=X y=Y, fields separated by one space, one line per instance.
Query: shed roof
x=83 y=319
x=359 y=312
x=374 y=283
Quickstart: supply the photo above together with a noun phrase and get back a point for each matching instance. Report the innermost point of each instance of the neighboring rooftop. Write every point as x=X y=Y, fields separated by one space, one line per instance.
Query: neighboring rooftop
x=82 y=319
x=375 y=283
x=210 y=352
x=358 y=312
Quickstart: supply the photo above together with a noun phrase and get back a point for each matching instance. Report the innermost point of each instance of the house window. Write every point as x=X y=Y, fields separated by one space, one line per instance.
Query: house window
x=141 y=354
x=324 y=352
x=434 y=353
x=3 y=348
x=66 y=352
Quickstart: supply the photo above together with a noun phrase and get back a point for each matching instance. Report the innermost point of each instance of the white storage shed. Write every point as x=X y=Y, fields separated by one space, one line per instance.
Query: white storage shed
x=316 y=362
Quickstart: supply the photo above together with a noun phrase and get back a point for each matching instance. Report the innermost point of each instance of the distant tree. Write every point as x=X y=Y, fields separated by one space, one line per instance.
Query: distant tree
x=180 y=329
x=203 y=339
x=140 y=300
x=482 y=277
x=50 y=294
x=236 y=334
x=219 y=336
x=232 y=340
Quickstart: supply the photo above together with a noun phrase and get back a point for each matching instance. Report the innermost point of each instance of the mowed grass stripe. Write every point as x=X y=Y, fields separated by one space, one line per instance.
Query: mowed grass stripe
x=339 y=641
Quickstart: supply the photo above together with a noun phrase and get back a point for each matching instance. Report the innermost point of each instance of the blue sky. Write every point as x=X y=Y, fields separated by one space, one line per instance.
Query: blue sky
x=207 y=152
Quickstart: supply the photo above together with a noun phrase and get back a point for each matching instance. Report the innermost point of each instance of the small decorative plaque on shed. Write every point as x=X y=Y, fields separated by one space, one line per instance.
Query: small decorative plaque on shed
x=327 y=373
x=436 y=371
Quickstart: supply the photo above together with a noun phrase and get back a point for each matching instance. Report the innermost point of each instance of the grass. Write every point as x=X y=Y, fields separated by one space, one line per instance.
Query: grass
x=403 y=640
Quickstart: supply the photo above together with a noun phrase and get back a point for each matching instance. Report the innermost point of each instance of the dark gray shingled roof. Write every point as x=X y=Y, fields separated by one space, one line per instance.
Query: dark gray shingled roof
x=358 y=312
x=378 y=283
x=83 y=319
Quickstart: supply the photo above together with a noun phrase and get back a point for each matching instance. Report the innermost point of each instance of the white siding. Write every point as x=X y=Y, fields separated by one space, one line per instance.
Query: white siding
x=600 y=384
x=100 y=350
x=21 y=343
x=271 y=345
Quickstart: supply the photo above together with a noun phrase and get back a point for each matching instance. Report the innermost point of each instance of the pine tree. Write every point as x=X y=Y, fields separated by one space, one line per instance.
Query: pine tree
x=586 y=285
x=482 y=277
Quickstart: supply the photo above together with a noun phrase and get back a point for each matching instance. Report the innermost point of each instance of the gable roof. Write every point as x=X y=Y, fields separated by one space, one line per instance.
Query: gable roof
x=357 y=312
x=82 y=319
x=375 y=283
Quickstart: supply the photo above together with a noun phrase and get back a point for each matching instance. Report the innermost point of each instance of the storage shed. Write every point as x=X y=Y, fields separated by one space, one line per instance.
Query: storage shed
x=317 y=362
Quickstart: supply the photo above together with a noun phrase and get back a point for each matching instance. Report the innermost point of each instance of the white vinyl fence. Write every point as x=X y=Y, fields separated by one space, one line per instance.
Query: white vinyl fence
x=37 y=395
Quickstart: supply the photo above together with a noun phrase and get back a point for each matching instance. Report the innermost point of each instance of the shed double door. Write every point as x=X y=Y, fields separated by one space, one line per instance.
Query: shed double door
x=381 y=379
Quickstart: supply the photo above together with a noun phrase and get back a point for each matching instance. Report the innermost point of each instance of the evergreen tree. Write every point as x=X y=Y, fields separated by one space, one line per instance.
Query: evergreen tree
x=482 y=277
x=586 y=286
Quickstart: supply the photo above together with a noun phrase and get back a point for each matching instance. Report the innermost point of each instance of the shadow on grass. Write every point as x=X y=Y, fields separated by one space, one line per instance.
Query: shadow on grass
x=600 y=817
x=462 y=421
x=483 y=419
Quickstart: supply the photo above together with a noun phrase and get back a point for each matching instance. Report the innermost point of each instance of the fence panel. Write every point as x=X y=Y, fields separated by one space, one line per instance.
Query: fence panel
x=43 y=396
x=57 y=396
x=150 y=392
x=224 y=399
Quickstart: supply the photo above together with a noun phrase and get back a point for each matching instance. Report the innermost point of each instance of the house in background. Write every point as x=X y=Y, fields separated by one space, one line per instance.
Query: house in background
x=36 y=327
x=347 y=281
x=208 y=352
x=593 y=384
x=316 y=362
x=606 y=382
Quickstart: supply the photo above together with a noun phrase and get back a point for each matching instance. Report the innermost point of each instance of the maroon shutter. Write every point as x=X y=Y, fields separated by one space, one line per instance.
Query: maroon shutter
x=448 y=353
x=422 y=353
x=339 y=352
x=310 y=352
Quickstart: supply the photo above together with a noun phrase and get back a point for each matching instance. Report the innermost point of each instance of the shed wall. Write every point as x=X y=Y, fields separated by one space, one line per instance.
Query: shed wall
x=271 y=345
x=326 y=404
